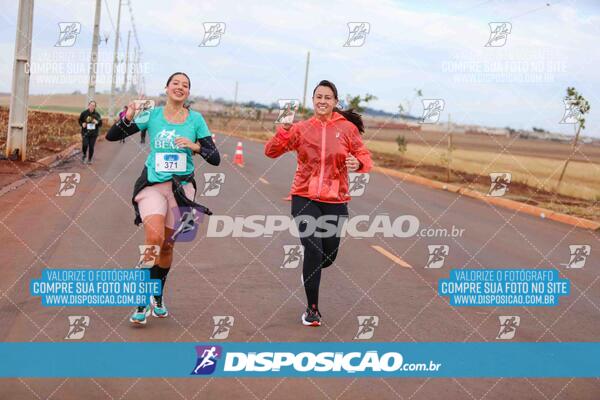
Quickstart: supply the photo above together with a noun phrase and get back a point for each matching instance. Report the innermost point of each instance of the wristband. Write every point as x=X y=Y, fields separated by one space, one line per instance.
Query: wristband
x=126 y=122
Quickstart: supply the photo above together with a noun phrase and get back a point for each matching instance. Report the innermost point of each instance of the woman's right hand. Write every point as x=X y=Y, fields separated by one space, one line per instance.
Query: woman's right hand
x=286 y=126
x=131 y=111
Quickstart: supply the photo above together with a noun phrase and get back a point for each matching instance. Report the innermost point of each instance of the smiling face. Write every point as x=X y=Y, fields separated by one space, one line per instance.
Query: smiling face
x=178 y=88
x=324 y=101
x=92 y=106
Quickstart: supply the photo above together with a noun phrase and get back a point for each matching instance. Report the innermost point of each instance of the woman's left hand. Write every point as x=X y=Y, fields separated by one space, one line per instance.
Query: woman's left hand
x=183 y=142
x=352 y=163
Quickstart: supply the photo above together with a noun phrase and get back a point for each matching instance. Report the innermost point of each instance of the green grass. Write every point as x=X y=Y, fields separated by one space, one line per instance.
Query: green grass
x=65 y=109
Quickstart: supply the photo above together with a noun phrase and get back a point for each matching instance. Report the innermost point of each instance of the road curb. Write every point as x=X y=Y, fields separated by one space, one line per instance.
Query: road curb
x=52 y=159
x=497 y=201
x=47 y=162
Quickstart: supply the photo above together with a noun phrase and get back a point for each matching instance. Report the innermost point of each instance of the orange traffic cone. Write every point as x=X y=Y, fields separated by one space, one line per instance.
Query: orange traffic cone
x=238 y=159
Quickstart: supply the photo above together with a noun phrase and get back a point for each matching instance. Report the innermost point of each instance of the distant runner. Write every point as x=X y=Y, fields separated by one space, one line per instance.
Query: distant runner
x=90 y=122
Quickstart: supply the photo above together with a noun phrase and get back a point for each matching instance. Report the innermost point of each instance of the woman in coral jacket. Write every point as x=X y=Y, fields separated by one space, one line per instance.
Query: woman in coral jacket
x=328 y=146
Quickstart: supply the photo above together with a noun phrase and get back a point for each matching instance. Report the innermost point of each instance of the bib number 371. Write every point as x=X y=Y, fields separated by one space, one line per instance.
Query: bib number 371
x=170 y=162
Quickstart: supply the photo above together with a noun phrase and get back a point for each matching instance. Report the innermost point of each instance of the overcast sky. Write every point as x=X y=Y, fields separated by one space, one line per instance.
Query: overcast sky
x=438 y=47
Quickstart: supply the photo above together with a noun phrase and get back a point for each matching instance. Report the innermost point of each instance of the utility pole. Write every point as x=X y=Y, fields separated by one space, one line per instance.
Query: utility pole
x=142 y=85
x=126 y=62
x=448 y=168
x=94 y=57
x=140 y=76
x=235 y=95
x=305 y=81
x=16 y=138
x=133 y=81
x=111 y=100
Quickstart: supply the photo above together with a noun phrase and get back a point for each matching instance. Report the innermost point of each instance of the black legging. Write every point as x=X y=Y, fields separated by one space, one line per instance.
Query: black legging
x=319 y=252
x=88 y=141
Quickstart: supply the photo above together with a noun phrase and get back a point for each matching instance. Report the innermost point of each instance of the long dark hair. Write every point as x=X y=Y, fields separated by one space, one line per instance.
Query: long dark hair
x=180 y=73
x=349 y=114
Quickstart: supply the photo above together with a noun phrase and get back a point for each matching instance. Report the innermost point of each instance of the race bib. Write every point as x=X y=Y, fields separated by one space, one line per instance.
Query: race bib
x=90 y=127
x=170 y=162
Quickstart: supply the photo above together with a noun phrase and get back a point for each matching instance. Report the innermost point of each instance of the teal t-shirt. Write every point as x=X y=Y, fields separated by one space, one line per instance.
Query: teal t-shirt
x=162 y=135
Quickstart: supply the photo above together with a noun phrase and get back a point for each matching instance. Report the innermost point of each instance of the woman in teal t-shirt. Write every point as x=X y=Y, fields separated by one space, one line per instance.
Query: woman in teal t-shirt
x=172 y=141
x=176 y=133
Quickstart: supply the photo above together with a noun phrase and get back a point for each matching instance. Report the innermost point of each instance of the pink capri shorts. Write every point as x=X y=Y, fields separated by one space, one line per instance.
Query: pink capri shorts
x=159 y=199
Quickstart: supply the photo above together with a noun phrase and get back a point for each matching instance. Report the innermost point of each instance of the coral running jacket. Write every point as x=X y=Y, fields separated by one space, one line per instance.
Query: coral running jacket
x=322 y=148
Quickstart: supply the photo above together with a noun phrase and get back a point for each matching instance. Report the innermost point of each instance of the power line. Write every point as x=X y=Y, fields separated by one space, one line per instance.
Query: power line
x=135 y=35
x=534 y=10
x=111 y=21
x=111 y=100
x=139 y=78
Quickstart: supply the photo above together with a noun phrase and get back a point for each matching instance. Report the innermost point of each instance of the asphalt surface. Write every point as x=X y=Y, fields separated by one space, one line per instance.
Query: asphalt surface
x=243 y=278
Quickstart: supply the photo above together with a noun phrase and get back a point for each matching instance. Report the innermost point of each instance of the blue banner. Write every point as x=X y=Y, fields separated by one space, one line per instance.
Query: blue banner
x=95 y=287
x=504 y=287
x=321 y=359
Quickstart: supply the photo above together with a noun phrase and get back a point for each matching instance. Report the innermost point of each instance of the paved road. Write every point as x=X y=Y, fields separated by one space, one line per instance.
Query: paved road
x=241 y=277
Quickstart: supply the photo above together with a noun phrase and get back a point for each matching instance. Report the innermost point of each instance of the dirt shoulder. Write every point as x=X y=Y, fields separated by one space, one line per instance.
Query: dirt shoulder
x=49 y=135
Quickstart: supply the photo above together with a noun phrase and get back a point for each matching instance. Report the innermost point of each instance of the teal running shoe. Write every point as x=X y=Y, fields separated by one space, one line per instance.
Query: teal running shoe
x=159 y=310
x=140 y=315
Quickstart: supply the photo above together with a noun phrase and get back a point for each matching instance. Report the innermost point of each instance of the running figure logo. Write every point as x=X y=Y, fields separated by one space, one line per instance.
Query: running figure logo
x=499 y=32
x=357 y=33
x=165 y=139
x=186 y=226
x=149 y=254
x=579 y=255
x=212 y=34
x=508 y=327
x=77 y=326
x=207 y=359
x=432 y=109
x=212 y=183
x=223 y=323
x=366 y=326
x=67 y=34
x=68 y=183
x=572 y=113
x=499 y=184
x=287 y=110
x=293 y=256
x=357 y=183
x=437 y=255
